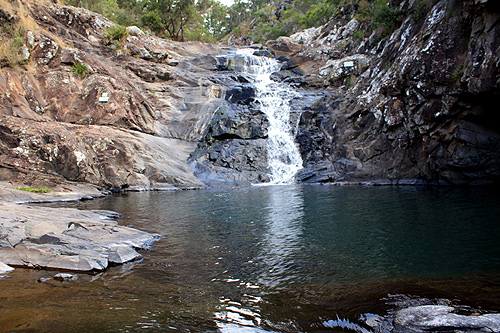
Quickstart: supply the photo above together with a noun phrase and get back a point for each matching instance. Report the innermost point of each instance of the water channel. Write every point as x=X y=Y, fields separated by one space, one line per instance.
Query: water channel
x=274 y=258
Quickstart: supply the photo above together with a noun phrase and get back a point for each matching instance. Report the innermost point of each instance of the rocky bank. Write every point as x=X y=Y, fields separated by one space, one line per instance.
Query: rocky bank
x=63 y=238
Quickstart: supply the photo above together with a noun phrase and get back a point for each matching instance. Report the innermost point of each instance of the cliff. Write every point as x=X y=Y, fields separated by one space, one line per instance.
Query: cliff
x=417 y=106
x=411 y=106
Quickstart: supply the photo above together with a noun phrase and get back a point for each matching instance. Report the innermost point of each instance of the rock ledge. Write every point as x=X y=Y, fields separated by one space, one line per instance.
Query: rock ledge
x=66 y=238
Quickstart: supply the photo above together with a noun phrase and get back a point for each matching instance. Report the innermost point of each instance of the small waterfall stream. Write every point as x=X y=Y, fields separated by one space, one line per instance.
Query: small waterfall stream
x=283 y=156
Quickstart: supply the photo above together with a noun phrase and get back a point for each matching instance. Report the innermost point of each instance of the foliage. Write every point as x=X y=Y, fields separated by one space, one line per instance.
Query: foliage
x=33 y=189
x=259 y=20
x=169 y=16
x=380 y=14
x=80 y=69
x=116 y=35
x=11 y=45
x=358 y=35
x=319 y=14
x=385 y=16
x=287 y=18
x=421 y=8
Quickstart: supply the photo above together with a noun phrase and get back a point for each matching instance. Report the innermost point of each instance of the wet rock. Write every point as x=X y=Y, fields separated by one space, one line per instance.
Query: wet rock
x=441 y=318
x=43 y=280
x=241 y=94
x=65 y=277
x=122 y=253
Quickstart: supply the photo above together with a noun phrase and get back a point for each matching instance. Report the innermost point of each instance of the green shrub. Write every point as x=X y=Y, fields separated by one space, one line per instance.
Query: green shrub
x=11 y=45
x=116 y=35
x=80 y=69
x=421 y=9
x=358 y=35
x=387 y=17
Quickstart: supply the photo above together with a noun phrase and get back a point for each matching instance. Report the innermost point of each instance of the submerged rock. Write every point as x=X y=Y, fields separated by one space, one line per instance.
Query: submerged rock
x=440 y=318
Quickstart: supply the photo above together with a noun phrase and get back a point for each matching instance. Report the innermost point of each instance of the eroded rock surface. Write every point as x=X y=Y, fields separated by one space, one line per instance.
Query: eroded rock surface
x=417 y=106
x=130 y=120
x=66 y=238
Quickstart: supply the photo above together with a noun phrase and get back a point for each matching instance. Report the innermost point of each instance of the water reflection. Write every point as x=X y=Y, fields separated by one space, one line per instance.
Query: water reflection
x=281 y=243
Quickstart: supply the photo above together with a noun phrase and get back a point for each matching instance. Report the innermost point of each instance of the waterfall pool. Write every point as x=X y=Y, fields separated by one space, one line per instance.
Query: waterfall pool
x=274 y=258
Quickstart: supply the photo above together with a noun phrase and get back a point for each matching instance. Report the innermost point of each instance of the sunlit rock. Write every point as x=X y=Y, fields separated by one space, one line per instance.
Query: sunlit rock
x=4 y=269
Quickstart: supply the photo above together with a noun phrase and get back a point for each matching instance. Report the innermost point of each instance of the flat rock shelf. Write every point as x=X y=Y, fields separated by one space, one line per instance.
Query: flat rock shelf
x=66 y=238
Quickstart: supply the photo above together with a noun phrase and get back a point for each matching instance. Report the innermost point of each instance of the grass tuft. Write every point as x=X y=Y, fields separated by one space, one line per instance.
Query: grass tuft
x=116 y=35
x=33 y=189
x=80 y=69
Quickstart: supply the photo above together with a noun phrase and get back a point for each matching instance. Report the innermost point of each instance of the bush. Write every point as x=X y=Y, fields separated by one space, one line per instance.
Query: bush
x=358 y=35
x=116 y=35
x=387 y=17
x=11 y=47
x=421 y=9
x=80 y=69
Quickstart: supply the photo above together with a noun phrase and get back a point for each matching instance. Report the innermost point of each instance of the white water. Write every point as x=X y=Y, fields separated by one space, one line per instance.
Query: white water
x=283 y=157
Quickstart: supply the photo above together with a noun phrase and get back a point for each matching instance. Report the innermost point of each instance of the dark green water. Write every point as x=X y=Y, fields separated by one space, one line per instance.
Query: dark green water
x=277 y=258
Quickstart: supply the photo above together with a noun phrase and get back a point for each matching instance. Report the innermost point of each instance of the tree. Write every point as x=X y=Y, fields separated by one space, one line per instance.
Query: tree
x=172 y=16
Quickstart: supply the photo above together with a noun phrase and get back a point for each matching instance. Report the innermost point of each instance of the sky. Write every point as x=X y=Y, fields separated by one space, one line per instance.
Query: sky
x=226 y=2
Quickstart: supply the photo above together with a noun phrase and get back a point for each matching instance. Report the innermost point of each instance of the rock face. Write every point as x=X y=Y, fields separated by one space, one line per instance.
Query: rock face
x=130 y=120
x=417 y=105
x=67 y=239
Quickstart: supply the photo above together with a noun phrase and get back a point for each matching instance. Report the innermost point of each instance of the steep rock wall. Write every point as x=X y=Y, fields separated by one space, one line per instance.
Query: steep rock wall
x=420 y=107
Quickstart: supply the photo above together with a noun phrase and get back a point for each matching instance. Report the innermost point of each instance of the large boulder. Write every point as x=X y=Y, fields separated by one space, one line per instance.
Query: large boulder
x=283 y=47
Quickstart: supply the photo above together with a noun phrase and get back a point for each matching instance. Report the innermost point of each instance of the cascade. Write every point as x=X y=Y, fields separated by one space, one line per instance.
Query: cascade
x=283 y=156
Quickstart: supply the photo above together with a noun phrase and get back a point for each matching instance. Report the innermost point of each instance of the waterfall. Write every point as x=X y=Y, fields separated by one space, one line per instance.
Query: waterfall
x=283 y=156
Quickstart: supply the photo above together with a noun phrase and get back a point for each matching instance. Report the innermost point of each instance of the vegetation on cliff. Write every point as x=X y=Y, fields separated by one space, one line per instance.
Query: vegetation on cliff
x=14 y=22
x=284 y=18
x=251 y=21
